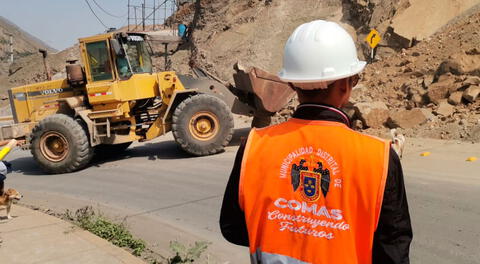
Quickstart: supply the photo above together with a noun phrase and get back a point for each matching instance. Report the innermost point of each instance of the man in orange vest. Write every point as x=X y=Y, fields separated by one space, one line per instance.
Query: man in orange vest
x=311 y=190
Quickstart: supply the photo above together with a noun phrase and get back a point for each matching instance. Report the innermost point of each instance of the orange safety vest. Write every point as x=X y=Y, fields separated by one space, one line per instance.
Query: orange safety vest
x=312 y=192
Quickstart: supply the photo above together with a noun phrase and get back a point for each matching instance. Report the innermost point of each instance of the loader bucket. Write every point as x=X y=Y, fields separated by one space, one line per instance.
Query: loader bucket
x=271 y=94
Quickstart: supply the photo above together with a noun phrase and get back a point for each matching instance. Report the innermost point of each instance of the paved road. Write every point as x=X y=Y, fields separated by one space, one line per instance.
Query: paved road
x=444 y=197
x=166 y=195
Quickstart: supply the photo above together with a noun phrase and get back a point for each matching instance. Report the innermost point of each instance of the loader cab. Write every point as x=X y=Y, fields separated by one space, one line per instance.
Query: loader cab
x=118 y=68
x=131 y=55
x=99 y=66
x=115 y=56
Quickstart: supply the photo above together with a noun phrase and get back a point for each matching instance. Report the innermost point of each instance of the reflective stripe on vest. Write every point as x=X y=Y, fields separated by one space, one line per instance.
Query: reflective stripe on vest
x=312 y=192
x=260 y=257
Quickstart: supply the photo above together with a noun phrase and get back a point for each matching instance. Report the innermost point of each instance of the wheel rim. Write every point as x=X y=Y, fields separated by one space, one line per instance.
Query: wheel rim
x=54 y=146
x=204 y=126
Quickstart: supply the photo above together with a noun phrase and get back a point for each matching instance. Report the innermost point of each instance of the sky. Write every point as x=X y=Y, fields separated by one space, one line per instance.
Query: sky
x=60 y=23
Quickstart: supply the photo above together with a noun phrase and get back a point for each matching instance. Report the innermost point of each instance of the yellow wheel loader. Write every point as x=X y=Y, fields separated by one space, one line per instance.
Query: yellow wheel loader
x=114 y=98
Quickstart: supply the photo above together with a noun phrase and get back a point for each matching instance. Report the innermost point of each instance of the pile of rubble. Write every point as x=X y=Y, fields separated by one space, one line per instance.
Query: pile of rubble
x=429 y=90
x=447 y=101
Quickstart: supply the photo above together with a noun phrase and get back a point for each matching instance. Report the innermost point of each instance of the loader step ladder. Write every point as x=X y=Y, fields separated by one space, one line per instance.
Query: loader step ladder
x=97 y=125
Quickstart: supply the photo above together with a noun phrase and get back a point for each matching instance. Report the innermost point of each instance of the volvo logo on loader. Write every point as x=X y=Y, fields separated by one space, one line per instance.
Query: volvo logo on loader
x=51 y=91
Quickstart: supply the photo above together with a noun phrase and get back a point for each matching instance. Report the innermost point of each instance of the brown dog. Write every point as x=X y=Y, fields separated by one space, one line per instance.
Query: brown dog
x=7 y=199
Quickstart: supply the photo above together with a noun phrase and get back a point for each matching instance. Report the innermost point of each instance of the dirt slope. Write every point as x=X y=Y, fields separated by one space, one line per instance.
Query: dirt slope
x=254 y=32
x=451 y=58
x=436 y=78
x=424 y=17
x=25 y=44
x=26 y=56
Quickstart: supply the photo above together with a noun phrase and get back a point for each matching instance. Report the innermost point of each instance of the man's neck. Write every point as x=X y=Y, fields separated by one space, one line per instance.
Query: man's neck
x=323 y=102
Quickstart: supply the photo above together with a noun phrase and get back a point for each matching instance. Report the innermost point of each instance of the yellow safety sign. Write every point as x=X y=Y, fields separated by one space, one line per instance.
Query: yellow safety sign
x=471 y=158
x=373 y=38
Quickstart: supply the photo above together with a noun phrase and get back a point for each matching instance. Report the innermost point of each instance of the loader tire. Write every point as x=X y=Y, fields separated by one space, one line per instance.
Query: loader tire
x=202 y=125
x=116 y=149
x=59 y=144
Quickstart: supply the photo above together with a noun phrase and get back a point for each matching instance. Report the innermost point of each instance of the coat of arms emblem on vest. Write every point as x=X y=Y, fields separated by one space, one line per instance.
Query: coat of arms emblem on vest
x=310 y=182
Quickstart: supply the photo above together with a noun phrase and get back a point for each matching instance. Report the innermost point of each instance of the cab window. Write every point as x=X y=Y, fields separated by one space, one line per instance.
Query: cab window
x=136 y=59
x=100 y=68
x=138 y=55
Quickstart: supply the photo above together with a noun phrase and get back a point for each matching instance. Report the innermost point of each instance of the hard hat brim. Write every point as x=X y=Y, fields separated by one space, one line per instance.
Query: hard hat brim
x=285 y=77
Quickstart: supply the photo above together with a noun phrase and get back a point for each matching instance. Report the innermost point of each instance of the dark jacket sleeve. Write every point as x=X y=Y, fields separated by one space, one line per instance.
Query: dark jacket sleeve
x=232 y=218
x=392 y=238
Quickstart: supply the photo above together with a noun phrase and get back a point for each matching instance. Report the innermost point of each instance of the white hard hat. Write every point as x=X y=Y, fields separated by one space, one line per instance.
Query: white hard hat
x=319 y=52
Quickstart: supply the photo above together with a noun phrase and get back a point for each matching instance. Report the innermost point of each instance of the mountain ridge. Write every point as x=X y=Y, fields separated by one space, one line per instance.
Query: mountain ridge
x=39 y=43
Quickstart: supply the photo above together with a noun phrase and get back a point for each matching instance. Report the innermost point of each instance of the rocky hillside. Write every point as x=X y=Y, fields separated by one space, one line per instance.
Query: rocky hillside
x=25 y=44
x=424 y=80
x=255 y=31
x=425 y=77
x=30 y=69
x=431 y=89
x=25 y=53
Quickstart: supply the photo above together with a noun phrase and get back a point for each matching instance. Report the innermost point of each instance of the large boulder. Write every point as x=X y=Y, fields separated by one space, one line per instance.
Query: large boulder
x=428 y=80
x=415 y=93
x=440 y=90
x=471 y=93
x=461 y=63
x=408 y=118
x=455 y=98
x=472 y=80
x=445 y=109
x=422 y=18
x=372 y=114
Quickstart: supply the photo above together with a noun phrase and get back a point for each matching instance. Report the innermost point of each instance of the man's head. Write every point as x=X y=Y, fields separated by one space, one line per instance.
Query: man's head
x=321 y=63
x=336 y=94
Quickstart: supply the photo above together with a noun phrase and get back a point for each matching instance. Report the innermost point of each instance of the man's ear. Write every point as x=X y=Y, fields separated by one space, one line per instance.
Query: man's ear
x=344 y=84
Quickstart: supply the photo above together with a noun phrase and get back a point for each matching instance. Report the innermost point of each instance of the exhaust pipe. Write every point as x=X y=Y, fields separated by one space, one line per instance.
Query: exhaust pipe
x=45 y=65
